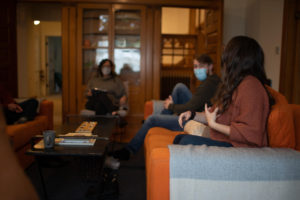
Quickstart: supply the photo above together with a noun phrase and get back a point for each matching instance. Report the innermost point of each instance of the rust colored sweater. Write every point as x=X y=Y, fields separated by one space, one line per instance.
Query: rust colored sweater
x=247 y=116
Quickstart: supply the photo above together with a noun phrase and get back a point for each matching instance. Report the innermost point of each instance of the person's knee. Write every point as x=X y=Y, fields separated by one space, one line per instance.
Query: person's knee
x=180 y=86
x=178 y=138
x=187 y=139
x=151 y=120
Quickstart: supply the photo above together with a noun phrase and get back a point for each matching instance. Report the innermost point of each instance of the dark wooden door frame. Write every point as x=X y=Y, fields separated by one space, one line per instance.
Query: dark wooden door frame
x=289 y=60
x=8 y=47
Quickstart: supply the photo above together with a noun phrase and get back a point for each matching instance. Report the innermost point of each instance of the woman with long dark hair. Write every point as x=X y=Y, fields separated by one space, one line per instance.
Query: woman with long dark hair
x=242 y=103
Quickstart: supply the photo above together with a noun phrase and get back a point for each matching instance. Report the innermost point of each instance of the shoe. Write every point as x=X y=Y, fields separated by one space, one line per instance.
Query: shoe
x=122 y=154
x=112 y=163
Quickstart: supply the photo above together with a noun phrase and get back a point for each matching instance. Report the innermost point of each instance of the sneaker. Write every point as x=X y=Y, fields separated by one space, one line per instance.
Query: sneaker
x=121 y=154
x=112 y=163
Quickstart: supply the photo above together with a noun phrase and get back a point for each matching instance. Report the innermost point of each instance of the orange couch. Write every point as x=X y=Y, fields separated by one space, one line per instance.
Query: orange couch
x=21 y=134
x=157 y=155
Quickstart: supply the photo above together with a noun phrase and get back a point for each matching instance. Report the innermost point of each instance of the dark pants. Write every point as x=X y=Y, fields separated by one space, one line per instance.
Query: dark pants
x=29 y=111
x=100 y=103
x=185 y=139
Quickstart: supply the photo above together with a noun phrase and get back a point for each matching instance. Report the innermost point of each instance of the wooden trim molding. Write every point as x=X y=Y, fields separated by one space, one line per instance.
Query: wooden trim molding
x=290 y=49
x=211 y=4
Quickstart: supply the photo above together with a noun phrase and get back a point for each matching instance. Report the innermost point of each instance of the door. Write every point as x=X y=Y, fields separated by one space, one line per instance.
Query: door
x=53 y=65
x=8 y=48
x=213 y=37
x=290 y=54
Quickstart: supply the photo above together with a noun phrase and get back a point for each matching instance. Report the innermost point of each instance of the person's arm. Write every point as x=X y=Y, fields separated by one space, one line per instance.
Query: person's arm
x=168 y=101
x=203 y=94
x=14 y=108
x=199 y=117
x=5 y=97
x=252 y=103
x=123 y=100
x=13 y=182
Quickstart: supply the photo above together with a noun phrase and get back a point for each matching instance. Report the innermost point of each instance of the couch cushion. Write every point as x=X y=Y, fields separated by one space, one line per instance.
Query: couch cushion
x=281 y=131
x=148 y=109
x=22 y=133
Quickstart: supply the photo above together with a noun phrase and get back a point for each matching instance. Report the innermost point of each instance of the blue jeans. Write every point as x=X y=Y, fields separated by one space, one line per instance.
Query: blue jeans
x=165 y=121
x=180 y=94
x=184 y=139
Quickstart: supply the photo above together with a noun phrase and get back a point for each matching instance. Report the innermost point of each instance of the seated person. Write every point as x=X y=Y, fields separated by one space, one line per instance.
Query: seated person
x=196 y=102
x=242 y=105
x=17 y=112
x=106 y=92
x=182 y=99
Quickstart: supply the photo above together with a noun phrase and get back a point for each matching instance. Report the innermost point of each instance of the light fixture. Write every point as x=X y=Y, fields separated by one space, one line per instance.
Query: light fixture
x=36 y=22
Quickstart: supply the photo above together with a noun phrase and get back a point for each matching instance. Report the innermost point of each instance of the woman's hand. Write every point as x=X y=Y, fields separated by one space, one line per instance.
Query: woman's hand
x=14 y=108
x=168 y=101
x=123 y=100
x=211 y=116
x=89 y=93
x=211 y=120
x=184 y=117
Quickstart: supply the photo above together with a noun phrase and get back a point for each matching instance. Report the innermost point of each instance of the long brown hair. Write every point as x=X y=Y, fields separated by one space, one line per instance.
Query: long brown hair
x=242 y=56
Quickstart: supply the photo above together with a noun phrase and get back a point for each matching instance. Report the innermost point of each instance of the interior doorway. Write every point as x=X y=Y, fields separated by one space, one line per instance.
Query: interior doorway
x=53 y=65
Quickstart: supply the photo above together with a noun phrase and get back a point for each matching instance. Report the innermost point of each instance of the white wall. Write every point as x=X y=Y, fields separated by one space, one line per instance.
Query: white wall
x=234 y=19
x=261 y=20
x=266 y=27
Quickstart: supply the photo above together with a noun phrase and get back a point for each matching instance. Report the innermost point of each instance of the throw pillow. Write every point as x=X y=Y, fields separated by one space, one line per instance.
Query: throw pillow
x=281 y=131
x=196 y=128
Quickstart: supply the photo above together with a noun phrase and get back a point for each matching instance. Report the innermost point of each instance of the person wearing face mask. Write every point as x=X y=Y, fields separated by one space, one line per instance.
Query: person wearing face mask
x=106 y=92
x=180 y=101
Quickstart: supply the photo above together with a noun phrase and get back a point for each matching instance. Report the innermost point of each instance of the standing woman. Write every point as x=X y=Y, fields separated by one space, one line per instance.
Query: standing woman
x=106 y=92
x=242 y=104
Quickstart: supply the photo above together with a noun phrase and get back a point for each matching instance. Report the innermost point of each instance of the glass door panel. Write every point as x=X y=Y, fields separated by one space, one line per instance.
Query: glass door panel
x=95 y=39
x=127 y=45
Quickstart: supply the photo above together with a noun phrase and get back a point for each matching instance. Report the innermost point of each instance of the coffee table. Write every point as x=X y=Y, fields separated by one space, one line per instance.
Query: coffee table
x=90 y=157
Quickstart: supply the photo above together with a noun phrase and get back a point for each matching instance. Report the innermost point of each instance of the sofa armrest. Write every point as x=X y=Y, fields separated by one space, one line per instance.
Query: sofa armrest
x=153 y=107
x=158 y=174
x=233 y=173
x=148 y=109
x=46 y=108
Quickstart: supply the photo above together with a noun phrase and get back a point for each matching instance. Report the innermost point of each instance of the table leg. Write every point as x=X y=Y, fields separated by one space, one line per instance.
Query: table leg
x=42 y=179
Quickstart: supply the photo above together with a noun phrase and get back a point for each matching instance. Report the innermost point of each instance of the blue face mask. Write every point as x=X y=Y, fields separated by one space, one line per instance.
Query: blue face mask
x=200 y=74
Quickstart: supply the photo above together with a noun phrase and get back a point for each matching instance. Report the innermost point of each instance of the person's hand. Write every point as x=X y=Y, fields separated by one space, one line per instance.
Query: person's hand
x=14 y=108
x=123 y=100
x=168 y=101
x=114 y=113
x=184 y=117
x=211 y=116
x=89 y=93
